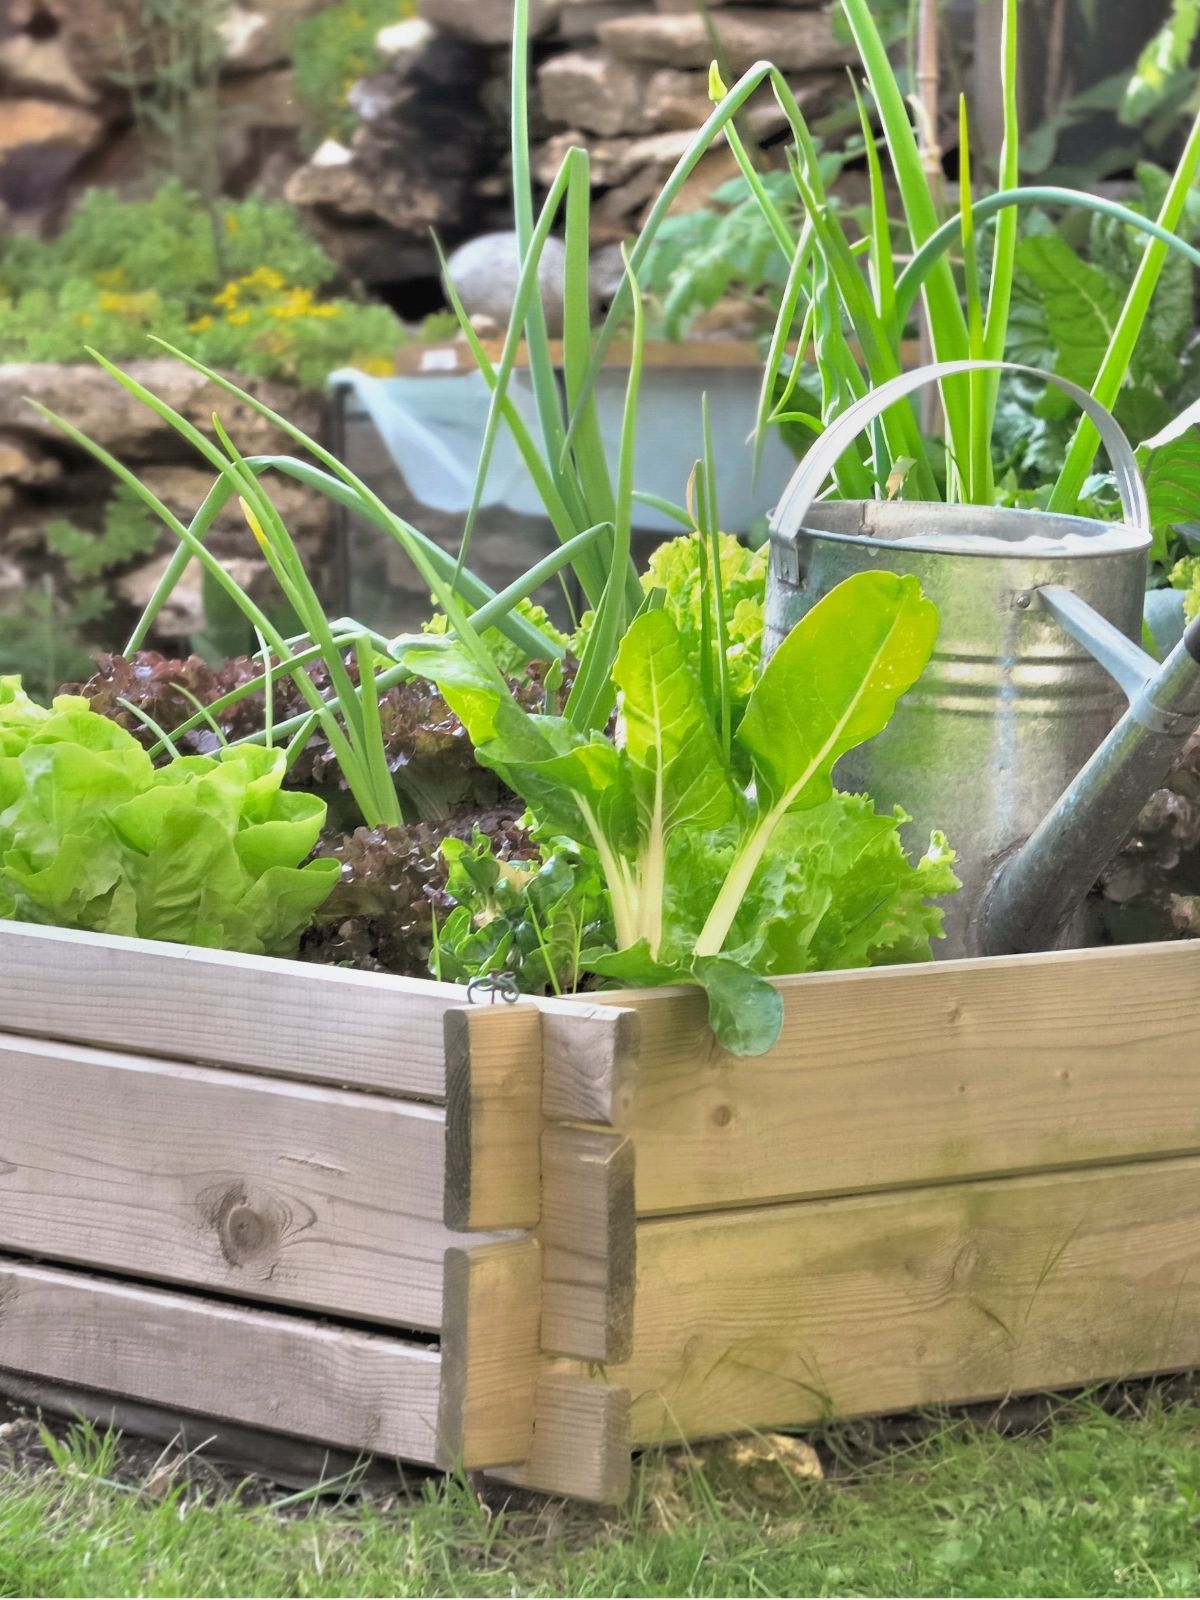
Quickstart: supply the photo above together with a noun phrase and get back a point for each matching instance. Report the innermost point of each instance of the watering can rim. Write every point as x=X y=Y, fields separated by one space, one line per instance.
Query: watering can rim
x=804 y=490
x=1136 y=541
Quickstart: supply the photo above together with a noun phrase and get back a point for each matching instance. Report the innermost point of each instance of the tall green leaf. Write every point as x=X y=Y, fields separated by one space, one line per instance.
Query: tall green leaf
x=1082 y=453
x=831 y=685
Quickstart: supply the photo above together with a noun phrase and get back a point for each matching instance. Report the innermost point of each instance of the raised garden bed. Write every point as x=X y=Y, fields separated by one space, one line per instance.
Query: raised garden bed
x=530 y=1238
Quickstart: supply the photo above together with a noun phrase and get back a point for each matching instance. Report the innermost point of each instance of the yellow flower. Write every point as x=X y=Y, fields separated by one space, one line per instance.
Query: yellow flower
x=238 y=319
x=376 y=366
x=201 y=324
x=144 y=304
x=264 y=278
x=111 y=277
x=231 y=222
x=295 y=303
x=228 y=296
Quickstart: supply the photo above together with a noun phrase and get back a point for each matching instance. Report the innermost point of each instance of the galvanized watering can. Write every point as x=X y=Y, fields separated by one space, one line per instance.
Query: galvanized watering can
x=1008 y=741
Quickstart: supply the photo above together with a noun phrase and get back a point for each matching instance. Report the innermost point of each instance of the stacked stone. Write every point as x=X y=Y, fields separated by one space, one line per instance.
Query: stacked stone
x=628 y=80
x=44 y=477
x=633 y=85
x=67 y=117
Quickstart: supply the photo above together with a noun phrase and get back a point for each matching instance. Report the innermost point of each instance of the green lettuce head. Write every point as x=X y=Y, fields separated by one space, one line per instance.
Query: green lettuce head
x=205 y=850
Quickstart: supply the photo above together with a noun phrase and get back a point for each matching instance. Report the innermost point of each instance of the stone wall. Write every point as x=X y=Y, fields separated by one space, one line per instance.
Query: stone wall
x=430 y=153
x=629 y=80
x=68 y=118
x=431 y=147
x=45 y=478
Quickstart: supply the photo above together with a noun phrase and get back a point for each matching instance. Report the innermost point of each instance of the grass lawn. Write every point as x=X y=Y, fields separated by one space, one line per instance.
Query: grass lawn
x=1087 y=1501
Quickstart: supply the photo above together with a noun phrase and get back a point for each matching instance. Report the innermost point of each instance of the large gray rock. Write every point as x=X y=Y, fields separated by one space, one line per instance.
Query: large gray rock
x=487 y=270
x=796 y=41
x=579 y=19
x=591 y=89
x=86 y=396
x=485 y=21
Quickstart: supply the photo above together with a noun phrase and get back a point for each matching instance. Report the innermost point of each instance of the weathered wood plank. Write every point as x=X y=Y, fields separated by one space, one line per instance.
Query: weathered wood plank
x=590 y=1054
x=361 y=1391
x=914 y=1075
x=493 y=1116
x=260 y=1188
x=490 y=1355
x=587 y=1235
x=580 y=1441
x=281 y=1457
x=327 y=1024
x=870 y=1303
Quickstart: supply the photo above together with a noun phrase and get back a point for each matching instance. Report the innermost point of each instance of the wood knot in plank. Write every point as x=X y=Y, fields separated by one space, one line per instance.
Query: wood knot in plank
x=249 y=1228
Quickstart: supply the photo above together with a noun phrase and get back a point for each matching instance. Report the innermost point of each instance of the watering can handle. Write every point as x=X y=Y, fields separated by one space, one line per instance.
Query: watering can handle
x=820 y=461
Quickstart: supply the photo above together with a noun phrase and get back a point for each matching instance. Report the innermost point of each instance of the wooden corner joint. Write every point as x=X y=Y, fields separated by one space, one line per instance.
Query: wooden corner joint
x=582 y=1441
x=491 y=1356
x=590 y=1055
x=588 y=1235
x=493 y=1117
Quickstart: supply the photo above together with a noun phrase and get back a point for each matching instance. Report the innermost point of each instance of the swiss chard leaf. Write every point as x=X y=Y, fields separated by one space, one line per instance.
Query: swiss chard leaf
x=660 y=812
x=834 y=683
x=1081 y=306
x=678 y=773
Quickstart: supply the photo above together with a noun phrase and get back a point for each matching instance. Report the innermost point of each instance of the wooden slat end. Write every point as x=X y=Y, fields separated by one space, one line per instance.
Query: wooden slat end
x=589 y=1243
x=590 y=1055
x=581 y=1442
x=493 y=1117
x=490 y=1354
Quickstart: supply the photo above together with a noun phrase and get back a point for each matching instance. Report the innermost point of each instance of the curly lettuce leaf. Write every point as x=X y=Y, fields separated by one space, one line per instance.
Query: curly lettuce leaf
x=203 y=851
x=677 y=570
x=509 y=657
x=1185 y=575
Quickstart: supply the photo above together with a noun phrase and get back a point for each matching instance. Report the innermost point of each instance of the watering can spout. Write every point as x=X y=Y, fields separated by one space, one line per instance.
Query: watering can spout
x=1035 y=893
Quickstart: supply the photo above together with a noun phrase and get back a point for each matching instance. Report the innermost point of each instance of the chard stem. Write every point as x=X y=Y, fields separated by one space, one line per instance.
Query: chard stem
x=616 y=876
x=737 y=883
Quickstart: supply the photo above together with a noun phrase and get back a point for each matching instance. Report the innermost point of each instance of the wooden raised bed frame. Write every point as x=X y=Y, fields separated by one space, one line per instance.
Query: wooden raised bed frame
x=527 y=1239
